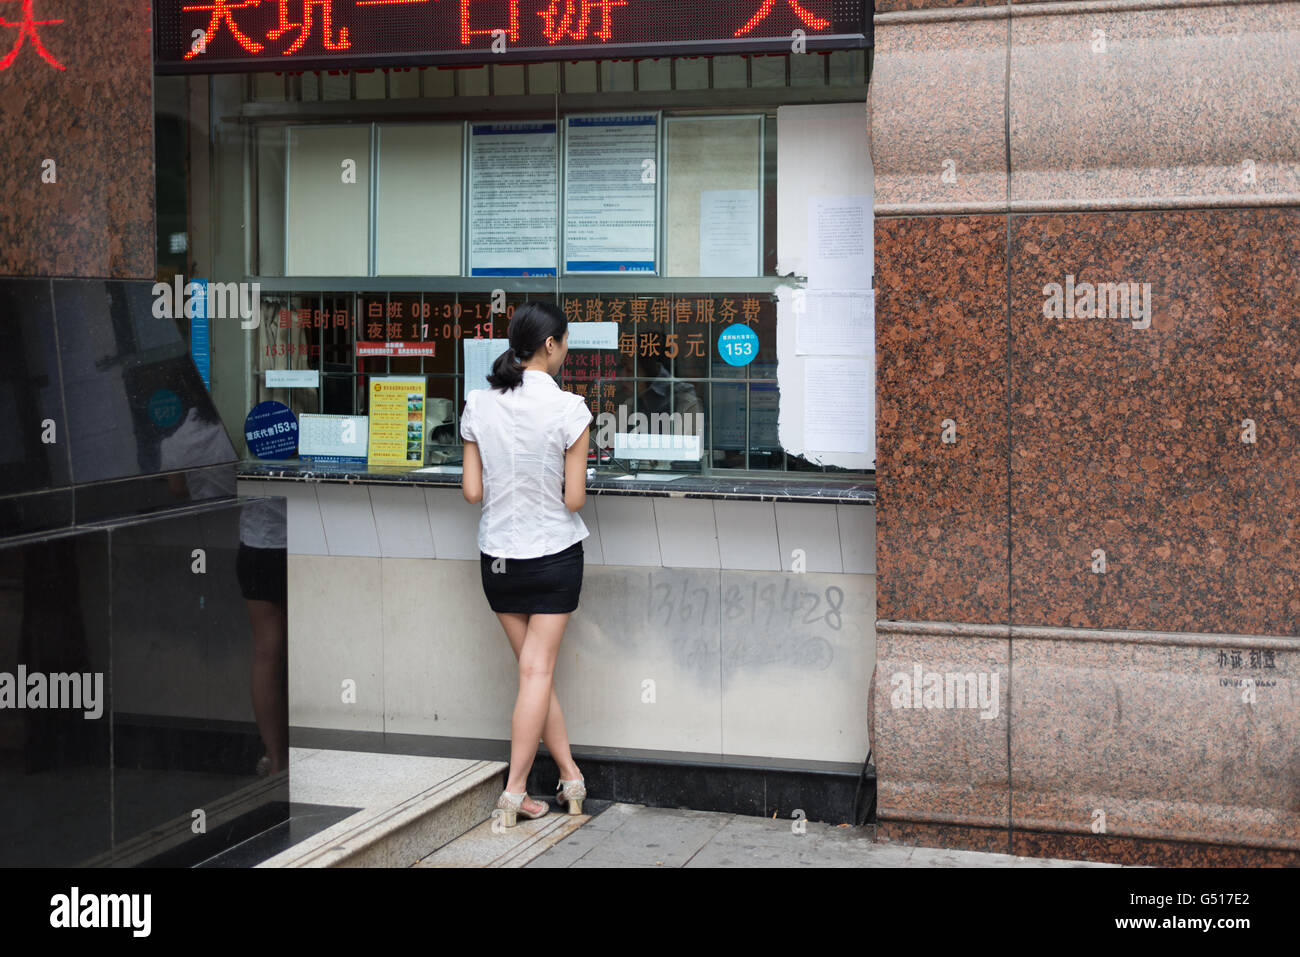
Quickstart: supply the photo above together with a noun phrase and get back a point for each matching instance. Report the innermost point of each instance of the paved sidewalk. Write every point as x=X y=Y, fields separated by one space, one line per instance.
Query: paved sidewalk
x=632 y=835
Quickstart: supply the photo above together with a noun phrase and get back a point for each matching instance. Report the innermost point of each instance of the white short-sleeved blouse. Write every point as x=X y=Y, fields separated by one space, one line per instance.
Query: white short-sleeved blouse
x=522 y=435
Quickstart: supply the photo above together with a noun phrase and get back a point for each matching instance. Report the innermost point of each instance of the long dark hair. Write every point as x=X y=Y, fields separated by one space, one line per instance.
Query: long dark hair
x=530 y=326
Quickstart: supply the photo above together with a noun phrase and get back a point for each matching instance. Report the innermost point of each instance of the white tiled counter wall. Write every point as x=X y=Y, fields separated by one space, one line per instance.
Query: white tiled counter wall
x=694 y=632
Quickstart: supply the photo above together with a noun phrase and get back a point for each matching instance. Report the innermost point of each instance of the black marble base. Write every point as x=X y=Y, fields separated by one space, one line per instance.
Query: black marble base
x=143 y=628
x=249 y=830
x=301 y=822
x=100 y=503
x=31 y=513
x=207 y=746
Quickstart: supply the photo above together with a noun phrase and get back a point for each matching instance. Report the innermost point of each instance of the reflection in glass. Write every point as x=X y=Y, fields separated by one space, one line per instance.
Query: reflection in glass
x=287 y=338
x=261 y=566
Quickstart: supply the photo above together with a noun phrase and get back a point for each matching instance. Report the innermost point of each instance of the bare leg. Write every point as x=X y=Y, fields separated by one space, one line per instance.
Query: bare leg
x=270 y=692
x=536 y=673
x=554 y=733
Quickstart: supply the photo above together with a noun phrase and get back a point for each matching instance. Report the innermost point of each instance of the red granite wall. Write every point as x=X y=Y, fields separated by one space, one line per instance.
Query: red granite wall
x=1094 y=532
x=83 y=98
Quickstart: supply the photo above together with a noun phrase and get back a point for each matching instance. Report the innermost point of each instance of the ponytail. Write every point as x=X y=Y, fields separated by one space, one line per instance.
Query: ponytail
x=507 y=372
x=530 y=326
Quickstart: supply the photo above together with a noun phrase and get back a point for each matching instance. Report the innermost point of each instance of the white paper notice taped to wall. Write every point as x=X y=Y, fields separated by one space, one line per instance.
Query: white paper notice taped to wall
x=826 y=354
x=834 y=322
x=827 y=410
x=479 y=356
x=839 y=242
x=839 y=405
x=822 y=150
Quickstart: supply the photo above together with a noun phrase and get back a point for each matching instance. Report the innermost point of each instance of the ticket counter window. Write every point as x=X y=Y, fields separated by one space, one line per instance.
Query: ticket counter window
x=394 y=219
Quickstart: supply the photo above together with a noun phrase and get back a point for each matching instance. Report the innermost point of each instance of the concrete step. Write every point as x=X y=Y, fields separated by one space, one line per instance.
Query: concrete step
x=407 y=806
x=491 y=844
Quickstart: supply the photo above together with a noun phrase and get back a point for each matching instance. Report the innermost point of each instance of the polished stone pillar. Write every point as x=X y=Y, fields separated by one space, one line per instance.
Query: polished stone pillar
x=134 y=706
x=1088 y=337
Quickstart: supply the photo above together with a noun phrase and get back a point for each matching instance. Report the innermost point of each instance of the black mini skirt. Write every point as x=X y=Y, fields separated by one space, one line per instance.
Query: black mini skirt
x=262 y=573
x=547 y=585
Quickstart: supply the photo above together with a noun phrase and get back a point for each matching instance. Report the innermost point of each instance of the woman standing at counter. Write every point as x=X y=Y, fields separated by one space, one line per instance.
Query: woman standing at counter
x=526 y=445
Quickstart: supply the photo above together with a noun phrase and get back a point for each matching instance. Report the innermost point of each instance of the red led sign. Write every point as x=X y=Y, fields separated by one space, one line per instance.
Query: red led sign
x=218 y=36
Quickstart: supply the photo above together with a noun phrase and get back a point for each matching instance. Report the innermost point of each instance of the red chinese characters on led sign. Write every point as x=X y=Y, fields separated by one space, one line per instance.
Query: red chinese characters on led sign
x=511 y=32
x=303 y=26
x=214 y=35
x=223 y=14
x=562 y=19
x=559 y=25
x=816 y=22
x=26 y=31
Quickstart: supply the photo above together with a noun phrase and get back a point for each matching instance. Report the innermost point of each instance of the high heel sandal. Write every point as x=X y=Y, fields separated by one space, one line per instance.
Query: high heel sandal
x=573 y=792
x=512 y=805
